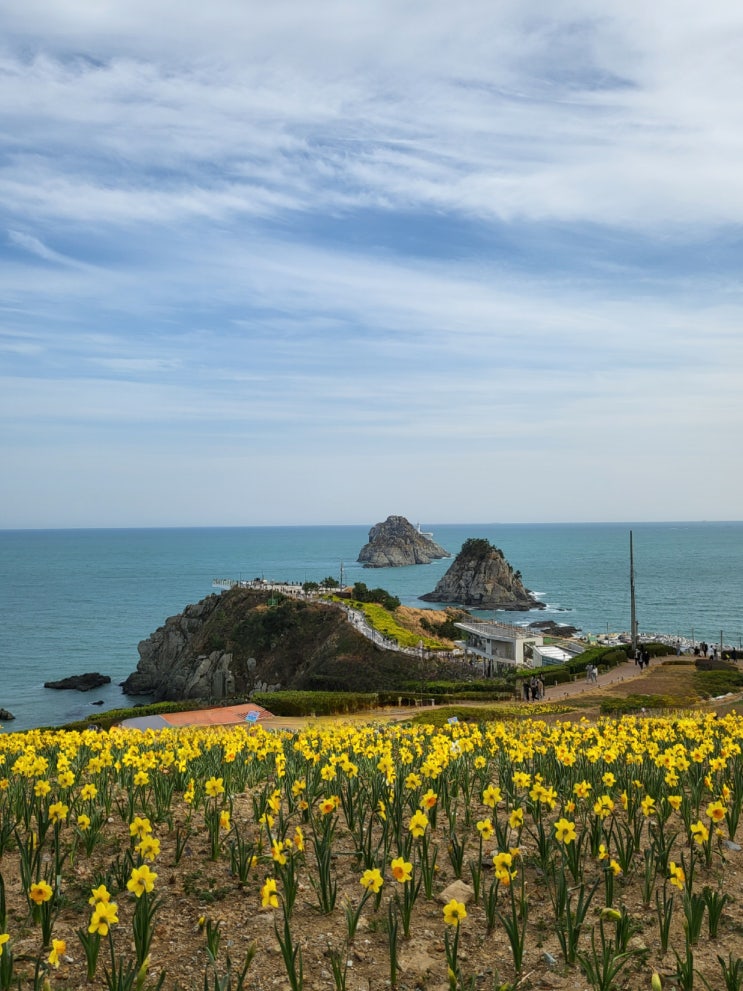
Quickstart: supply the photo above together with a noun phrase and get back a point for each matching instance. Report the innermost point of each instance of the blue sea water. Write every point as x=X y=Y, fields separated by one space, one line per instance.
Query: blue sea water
x=81 y=600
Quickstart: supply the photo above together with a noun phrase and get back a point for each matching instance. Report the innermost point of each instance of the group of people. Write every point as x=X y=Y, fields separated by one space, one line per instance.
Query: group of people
x=592 y=674
x=642 y=657
x=534 y=689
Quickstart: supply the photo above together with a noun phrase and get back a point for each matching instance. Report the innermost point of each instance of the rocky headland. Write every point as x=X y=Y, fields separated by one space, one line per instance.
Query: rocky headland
x=244 y=641
x=481 y=578
x=396 y=543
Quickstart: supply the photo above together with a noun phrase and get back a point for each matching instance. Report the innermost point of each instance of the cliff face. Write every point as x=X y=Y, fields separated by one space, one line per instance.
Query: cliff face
x=396 y=543
x=235 y=643
x=480 y=577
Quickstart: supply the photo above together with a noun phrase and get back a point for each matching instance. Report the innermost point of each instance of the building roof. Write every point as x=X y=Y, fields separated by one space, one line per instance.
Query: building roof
x=499 y=631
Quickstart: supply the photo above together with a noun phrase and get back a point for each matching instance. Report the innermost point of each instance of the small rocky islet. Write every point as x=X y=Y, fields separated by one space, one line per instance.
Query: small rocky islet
x=396 y=543
x=481 y=578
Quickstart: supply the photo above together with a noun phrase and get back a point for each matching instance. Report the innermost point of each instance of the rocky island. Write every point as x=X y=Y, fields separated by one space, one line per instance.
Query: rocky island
x=480 y=577
x=396 y=543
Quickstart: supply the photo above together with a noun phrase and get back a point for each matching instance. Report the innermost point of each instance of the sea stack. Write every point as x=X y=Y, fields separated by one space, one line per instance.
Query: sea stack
x=396 y=543
x=480 y=577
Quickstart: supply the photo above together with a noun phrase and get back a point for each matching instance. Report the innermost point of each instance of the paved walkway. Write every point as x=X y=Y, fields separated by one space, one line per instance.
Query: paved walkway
x=622 y=672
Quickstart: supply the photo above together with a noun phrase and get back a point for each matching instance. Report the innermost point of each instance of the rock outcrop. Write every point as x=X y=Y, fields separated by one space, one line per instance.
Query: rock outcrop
x=243 y=641
x=6 y=716
x=80 y=682
x=553 y=629
x=396 y=543
x=172 y=664
x=480 y=577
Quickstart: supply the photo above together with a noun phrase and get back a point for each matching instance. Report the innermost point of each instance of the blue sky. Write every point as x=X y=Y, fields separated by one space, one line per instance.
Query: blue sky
x=320 y=263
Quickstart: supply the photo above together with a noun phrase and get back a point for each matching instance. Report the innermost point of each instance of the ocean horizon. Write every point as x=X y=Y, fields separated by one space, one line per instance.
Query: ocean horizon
x=79 y=600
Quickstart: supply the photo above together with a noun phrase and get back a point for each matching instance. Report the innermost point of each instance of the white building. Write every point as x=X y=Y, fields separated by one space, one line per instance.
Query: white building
x=549 y=654
x=501 y=645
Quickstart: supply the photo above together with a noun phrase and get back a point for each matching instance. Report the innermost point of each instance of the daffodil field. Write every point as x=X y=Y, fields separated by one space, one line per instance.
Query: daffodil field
x=587 y=855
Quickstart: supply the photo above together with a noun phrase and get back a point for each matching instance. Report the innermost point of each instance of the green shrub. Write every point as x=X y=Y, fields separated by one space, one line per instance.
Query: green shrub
x=555 y=675
x=315 y=703
x=719 y=681
x=636 y=703
x=480 y=715
x=474 y=688
x=363 y=594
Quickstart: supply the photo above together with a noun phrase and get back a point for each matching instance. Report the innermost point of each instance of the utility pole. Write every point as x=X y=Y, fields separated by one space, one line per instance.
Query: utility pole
x=341 y=576
x=633 y=616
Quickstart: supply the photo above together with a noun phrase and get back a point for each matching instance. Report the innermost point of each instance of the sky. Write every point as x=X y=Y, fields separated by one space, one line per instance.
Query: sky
x=321 y=263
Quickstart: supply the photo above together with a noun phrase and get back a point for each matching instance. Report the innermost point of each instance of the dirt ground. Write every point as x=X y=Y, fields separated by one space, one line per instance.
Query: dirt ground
x=197 y=888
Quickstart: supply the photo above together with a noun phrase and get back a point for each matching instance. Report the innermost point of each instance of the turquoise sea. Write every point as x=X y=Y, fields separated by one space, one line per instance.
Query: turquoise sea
x=81 y=600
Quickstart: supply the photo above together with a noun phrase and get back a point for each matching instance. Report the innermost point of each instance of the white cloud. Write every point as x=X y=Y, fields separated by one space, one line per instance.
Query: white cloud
x=361 y=234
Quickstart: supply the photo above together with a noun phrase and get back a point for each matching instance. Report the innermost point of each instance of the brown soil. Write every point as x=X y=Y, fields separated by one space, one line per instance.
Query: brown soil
x=198 y=887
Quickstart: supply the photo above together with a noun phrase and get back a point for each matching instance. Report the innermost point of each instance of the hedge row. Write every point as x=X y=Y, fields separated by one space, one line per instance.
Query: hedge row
x=640 y=703
x=602 y=657
x=315 y=703
x=720 y=681
x=459 y=687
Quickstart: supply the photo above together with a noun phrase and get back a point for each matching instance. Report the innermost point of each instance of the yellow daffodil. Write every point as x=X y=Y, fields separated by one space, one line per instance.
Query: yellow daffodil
x=142 y=880
x=269 y=897
x=58 y=812
x=676 y=875
x=99 y=894
x=139 y=827
x=402 y=870
x=214 y=787
x=372 y=880
x=418 y=824
x=716 y=811
x=104 y=916
x=454 y=912
x=699 y=832
x=59 y=947
x=565 y=831
x=485 y=829
x=148 y=847
x=516 y=819
x=40 y=892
